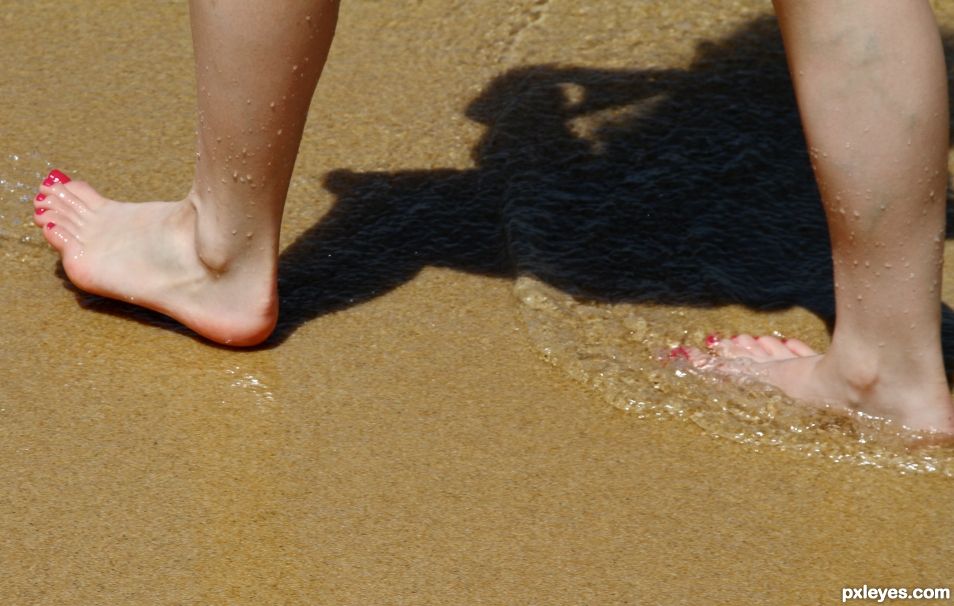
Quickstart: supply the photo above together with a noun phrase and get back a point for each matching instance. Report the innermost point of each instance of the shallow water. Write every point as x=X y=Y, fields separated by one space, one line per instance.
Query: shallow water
x=620 y=350
x=19 y=176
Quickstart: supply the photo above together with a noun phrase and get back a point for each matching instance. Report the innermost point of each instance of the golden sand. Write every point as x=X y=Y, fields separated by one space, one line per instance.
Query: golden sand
x=403 y=443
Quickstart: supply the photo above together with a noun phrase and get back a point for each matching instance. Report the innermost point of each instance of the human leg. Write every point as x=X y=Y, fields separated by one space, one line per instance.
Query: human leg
x=210 y=260
x=871 y=86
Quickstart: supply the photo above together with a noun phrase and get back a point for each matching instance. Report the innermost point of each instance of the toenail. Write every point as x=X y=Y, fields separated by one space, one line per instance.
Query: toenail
x=57 y=176
x=40 y=211
x=40 y=197
x=784 y=340
x=712 y=340
x=679 y=352
x=50 y=225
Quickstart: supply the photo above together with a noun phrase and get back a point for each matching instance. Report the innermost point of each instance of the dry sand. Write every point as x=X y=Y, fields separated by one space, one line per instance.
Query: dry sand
x=412 y=447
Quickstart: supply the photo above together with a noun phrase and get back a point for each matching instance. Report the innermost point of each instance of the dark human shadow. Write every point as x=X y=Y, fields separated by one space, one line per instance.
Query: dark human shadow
x=689 y=187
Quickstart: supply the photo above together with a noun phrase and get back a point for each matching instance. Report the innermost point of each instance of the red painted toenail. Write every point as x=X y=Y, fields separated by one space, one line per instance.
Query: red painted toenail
x=40 y=197
x=712 y=340
x=784 y=340
x=58 y=176
x=40 y=211
x=679 y=352
x=50 y=225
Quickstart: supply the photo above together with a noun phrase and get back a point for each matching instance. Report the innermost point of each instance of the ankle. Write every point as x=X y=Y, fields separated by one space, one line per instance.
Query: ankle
x=224 y=244
x=869 y=373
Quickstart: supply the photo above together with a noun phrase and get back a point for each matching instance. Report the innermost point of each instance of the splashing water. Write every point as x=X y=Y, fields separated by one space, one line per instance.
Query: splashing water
x=619 y=350
x=20 y=176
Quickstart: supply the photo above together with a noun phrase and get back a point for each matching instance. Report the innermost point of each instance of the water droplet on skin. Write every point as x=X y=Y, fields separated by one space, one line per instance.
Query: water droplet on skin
x=279 y=131
x=888 y=265
x=294 y=68
x=856 y=214
x=234 y=231
x=235 y=174
x=272 y=105
x=248 y=177
x=867 y=264
x=248 y=235
x=859 y=297
x=248 y=102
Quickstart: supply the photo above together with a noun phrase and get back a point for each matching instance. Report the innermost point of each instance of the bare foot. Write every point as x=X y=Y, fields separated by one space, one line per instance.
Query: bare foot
x=147 y=254
x=920 y=401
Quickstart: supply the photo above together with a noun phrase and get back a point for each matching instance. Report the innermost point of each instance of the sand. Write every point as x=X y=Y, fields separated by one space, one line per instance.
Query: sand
x=401 y=440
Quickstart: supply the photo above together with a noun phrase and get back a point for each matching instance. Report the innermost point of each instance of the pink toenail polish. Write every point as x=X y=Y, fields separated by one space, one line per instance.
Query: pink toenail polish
x=40 y=211
x=50 y=225
x=58 y=176
x=40 y=197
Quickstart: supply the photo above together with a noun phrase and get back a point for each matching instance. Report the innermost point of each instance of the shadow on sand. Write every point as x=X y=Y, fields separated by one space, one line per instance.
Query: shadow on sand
x=689 y=187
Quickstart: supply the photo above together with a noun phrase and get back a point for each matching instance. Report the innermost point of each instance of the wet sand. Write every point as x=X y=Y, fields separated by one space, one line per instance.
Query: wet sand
x=401 y=440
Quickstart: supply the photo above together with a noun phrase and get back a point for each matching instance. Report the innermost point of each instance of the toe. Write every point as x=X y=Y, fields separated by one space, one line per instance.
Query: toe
x=60 y=236
x=741 y=346
x=83 y=191
x=696 y=357
x=59 y=197
x=42 y=215
x=775 y=348
x=799 y=348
